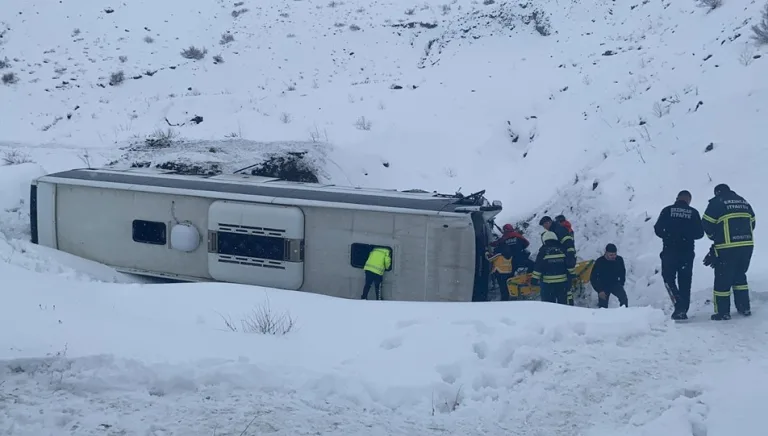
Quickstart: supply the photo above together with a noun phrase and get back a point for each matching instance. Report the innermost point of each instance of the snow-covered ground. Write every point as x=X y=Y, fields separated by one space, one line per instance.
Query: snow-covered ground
x=160 y=360
x=600 y=110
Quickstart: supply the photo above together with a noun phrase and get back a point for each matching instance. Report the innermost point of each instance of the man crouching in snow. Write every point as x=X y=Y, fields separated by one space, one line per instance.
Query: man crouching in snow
x=608 y=277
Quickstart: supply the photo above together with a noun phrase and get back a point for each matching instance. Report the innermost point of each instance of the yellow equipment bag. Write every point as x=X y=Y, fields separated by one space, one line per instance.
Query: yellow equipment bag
x=520 y=287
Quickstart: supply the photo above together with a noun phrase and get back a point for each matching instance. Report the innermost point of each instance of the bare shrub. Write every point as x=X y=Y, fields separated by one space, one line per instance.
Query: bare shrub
x=317 y=136
x=263 y=320
x=75 y=32
x=194 y=53
x=10 y=78
x=660 y=110
x=410 y=11
x=236 y=13
x=445 y=9
x=123 y=59
x=15 y=157
x=761 y=29
x=85 y=157
x=448 y=404
x=747 y=56
x=116 y=78
x=148 y=39
x=226 y=38
x=218 y=59
x=354 y=27
x=285 y=118
x=363 y=124
x=5 y=63
x=711 y=5
x=161 y=138
x=333 y=4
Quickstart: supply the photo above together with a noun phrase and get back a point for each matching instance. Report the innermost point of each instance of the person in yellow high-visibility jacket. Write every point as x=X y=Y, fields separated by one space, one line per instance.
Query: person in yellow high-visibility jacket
x=501 y=268
x=378 y=261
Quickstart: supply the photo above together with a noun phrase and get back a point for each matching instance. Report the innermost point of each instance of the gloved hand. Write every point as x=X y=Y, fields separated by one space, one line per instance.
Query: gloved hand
x=711 y=258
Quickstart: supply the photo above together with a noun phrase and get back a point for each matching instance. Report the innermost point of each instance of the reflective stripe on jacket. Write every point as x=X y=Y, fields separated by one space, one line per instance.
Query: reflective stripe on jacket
x=729 y=221
x=378 y=261
x=551 y=265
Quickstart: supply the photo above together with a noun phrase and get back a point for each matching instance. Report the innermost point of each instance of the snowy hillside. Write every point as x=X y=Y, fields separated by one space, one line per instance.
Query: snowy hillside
x=601 y=110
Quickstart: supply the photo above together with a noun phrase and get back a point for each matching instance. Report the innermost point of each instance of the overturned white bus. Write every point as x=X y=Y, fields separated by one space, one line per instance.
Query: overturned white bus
x=266 y=231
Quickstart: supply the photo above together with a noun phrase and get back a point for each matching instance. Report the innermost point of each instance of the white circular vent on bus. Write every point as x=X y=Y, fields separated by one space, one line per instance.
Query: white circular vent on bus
x=185 y=237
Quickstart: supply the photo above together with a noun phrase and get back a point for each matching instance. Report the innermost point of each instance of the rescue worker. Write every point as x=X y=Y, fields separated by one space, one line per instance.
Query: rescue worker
x=378 y=261
x=501 y=267
x=567 y=224
x=729 y=222
x=678 y=226
x=608 y=277
x=565 y=241
x=551 y=270
x=518 y=247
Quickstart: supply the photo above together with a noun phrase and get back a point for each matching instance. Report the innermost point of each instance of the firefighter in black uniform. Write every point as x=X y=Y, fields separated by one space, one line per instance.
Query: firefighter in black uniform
x=551 y=271
x=729 y=222
x=564 y=240
x=679 y=226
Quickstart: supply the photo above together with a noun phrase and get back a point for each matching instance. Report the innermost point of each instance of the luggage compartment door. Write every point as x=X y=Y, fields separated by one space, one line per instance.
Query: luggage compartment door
x=256 y=244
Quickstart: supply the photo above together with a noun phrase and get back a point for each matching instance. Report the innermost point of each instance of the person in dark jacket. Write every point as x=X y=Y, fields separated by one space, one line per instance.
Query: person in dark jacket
x=516 y=247
x=567 y=225
x=551 y=271
x=678 y=226
x=729 y=222
x=608 y=277
x=565 y=240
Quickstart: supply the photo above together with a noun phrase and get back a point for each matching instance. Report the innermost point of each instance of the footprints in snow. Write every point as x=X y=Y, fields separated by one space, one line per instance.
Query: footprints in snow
x=397 y=341
x=392 y=343
x=480 y=349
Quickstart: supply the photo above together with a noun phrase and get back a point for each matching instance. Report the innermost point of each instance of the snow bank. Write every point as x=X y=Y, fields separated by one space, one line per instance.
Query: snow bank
x=144 y=358
x=164 y=344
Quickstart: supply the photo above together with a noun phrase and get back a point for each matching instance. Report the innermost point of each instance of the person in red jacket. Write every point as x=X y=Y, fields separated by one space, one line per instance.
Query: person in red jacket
x=509 y=232
x=517 y=246
x=565 y=223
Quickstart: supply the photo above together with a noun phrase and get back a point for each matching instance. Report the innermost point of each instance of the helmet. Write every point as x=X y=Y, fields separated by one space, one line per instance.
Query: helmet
x=508 y=228
x=548 y=236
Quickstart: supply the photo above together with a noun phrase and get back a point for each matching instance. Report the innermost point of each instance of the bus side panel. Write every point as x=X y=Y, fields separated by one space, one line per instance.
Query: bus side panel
x=333 y=265
x=451 y=259
x=44 y=215
x=110 y=226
